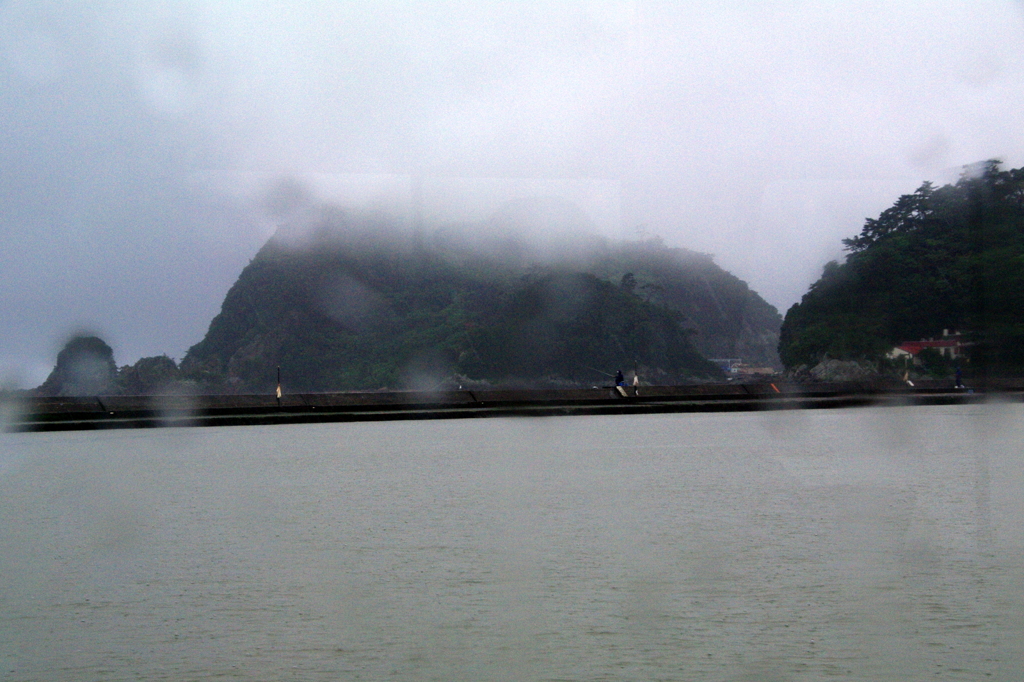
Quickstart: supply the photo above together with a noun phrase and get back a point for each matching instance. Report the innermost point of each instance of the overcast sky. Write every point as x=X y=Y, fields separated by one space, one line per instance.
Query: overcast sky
x=138 y=137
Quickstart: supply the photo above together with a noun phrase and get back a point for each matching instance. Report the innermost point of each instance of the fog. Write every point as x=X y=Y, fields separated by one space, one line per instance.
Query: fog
x=141 y=141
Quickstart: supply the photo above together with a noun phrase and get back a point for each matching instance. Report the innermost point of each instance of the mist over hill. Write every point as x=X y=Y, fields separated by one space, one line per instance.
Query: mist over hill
x=348 y=300
x=727 y=319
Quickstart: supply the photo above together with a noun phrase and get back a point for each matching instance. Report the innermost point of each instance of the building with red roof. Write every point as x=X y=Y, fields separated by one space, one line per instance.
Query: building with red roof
x=950 y=345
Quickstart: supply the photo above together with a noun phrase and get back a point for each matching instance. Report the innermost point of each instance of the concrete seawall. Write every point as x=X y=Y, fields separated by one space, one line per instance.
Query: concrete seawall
x=105 y=412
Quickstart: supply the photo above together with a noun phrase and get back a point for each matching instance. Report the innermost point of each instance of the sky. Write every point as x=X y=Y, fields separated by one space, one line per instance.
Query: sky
x=138 y=141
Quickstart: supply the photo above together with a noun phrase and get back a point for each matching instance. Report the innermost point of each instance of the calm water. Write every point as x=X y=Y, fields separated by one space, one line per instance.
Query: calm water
x=869 y=544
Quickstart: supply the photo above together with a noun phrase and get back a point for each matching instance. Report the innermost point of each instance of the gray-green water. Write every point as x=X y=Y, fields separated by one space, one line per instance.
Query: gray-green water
x=869 y=544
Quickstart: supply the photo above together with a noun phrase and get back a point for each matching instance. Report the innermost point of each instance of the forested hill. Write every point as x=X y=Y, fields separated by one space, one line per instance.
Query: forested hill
x=950 y=257
x=340 y=308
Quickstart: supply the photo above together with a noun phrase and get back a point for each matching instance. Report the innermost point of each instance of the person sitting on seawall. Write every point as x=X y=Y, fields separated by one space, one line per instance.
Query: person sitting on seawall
x=620 y=383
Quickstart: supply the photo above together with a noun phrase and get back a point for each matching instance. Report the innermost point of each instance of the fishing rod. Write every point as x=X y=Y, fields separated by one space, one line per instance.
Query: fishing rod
x=605 y=373
x=597 y=370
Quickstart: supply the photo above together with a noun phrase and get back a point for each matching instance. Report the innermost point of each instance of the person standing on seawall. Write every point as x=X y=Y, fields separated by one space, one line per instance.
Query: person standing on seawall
x=619 y=379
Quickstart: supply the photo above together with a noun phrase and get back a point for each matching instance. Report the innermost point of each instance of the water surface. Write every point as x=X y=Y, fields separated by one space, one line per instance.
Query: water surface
x=866 y=544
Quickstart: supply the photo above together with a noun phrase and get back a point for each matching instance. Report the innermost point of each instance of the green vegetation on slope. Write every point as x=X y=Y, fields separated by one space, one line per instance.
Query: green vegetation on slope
x=941 y=258
x=729 y=320
x=338 y=313
x=339 y=307
x=564 y=325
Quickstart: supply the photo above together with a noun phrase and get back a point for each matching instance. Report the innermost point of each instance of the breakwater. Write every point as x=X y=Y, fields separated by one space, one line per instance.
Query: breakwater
x=104 y=412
